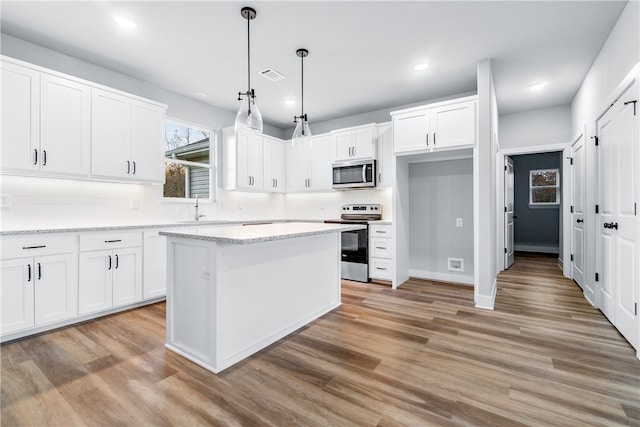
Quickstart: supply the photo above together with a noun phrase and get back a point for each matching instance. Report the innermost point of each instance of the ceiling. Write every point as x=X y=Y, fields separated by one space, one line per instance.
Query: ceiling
x=361 y=54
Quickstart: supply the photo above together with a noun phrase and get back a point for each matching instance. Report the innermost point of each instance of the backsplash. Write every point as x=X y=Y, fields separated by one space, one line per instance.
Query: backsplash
x=51 y=203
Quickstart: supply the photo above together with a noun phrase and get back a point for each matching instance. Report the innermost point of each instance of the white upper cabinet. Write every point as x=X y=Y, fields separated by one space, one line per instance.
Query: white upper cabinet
x=435 y=126
x=45 y=123
x=147 y=141
x=20 y=118
x=64 y=126
x=355 y=143
x=385 y=162
x=310 y=168
x=242 y=160
x=57 y=125
x=126 y=138
x=454 y=125
x=273 y=164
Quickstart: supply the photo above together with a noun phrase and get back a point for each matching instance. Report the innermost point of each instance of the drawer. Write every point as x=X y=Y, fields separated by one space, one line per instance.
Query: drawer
x=379 y=230
x=102 y=241
x=33 y=245
x=381 y=268
x=381 y=247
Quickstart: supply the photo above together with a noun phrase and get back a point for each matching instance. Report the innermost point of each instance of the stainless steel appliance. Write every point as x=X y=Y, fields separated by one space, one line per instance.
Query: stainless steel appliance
x=354 y=174
x=355 y=243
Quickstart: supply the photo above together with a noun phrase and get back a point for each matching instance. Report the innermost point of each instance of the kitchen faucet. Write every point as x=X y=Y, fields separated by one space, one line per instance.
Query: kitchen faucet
x=197 y=215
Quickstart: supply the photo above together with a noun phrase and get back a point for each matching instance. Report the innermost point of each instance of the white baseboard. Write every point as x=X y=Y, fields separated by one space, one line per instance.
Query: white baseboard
x=537 y=248
x=441 y=277
x=487 y=302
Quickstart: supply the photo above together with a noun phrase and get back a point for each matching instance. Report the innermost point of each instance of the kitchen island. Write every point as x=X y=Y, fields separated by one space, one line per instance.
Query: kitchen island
x=233 y=291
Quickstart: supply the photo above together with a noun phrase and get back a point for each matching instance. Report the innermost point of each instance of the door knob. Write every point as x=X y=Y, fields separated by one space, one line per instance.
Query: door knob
x=579 y=221
x=611 y=225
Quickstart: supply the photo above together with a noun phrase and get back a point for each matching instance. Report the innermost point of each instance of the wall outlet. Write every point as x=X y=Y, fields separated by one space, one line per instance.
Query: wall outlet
x=5 y=200
x=135 y=204
x=458 y=222
x=455 y=264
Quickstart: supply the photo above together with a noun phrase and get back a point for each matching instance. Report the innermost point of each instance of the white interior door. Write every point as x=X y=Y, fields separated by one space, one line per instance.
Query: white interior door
x=508 y=212
x=625 y=132
x=578 y=215
x=617 y=248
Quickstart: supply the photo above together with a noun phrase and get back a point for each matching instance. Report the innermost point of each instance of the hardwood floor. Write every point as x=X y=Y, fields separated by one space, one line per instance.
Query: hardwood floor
x=420 y=355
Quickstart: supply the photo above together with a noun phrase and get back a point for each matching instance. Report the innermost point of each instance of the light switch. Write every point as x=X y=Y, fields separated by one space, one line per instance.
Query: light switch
x=5 y=200
x=458 y=222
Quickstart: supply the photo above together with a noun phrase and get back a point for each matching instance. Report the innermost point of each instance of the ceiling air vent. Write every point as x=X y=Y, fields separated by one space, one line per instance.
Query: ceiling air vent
x=272 y=74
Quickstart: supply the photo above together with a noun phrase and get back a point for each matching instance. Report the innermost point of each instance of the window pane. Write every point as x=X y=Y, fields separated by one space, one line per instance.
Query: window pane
x=186 y=143
x=543 y=195
x=186 y=181
x=543 y=178
x=174 y=180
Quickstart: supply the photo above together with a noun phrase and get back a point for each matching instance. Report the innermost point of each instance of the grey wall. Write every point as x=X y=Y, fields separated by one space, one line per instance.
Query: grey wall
x=440 y=192
x=535 y=227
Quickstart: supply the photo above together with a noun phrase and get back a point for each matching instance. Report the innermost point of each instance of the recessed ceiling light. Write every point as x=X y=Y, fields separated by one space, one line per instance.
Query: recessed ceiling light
x=123 y=22
x=421 y=67
x=537 y=87
x=200 y=95
x=290 y=102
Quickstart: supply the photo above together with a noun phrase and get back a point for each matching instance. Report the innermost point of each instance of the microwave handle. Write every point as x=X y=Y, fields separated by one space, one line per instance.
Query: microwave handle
x=364 y=173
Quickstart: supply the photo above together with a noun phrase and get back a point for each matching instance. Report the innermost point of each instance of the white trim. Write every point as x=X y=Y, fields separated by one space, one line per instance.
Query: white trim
x=533 y=149
x=537 y=248
x=487 y=302
x=441 y=277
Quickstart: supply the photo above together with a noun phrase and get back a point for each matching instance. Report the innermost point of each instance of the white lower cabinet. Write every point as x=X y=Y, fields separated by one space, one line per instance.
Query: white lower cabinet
x=40 y=289
x=109 y=277
x=154 y=265
x=381 y=252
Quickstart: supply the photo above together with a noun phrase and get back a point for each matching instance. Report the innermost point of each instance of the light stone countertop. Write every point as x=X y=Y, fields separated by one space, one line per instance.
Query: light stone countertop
x=262 y=232
x=118 y=227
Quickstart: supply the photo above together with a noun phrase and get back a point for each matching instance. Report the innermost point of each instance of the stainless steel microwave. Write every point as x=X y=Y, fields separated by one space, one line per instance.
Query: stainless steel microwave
x=354 y=174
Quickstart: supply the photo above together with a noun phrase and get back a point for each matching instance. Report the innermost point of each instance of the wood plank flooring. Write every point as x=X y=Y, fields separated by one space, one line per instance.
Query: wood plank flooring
x=417 y=356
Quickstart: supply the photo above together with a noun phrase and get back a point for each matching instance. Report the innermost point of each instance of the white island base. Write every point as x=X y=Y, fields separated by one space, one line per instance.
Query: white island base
x=226 y=301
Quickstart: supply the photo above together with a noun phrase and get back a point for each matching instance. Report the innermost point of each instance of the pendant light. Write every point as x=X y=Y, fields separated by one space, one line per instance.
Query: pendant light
x=302 y=133
x=248 y=117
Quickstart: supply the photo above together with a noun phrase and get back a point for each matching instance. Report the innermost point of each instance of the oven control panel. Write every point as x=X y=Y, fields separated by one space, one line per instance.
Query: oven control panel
x=364 y=209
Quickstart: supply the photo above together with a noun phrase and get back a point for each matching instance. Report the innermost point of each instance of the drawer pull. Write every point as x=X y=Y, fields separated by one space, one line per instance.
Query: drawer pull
x=381 y=268
x=381 y=247
x=381 y=231
x=113 y=241
x=34 y=247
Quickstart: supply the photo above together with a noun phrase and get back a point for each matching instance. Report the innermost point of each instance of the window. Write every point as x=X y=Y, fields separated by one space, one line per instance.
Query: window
x=189 y=161
x=544 y=187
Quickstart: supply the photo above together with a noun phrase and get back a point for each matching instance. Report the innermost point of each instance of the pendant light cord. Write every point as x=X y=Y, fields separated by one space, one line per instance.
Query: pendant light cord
x=302 y=84
x=248 y=55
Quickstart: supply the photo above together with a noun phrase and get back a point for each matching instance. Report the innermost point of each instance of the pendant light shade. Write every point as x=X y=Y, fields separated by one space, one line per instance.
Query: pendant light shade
x=302 y=132
x=248 y=117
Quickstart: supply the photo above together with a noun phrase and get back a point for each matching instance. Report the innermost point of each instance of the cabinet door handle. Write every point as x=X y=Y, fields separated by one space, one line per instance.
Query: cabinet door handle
x=113 y=241
x=434 y=139
x=35 y=157
x=276 y=183
x=309 y=182
x=44 y=157
x=134 y=167
x=128 y=167
x=380 y=178
x=34 y=247
x=28 y=272
x=117 y=261
x=39 y=271
x=427 y=140
x=109 y=268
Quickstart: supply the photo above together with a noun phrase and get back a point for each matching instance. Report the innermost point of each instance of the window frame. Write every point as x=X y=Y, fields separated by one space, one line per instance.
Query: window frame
x=212 y=165
x=533 y=204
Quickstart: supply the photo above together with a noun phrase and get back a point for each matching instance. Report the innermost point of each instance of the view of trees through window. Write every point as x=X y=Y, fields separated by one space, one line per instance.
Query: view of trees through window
x=544 y=187
x=187 y=161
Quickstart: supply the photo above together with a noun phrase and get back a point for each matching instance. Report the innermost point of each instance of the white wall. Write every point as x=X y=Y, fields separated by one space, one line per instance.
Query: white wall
x=439 y=193
x=536 y=127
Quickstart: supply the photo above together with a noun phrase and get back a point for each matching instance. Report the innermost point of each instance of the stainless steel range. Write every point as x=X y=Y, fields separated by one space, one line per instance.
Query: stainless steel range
x=355 y=243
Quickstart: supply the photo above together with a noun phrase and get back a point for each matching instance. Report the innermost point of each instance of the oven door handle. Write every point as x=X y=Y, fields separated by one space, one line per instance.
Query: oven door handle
x=364 y=173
